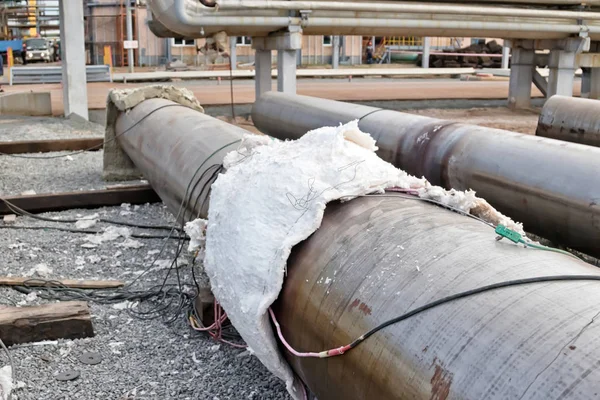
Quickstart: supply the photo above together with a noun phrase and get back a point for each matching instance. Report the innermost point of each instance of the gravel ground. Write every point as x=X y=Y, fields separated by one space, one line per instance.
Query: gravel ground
x=40 y=128
x=82 y=171
x=141 y=359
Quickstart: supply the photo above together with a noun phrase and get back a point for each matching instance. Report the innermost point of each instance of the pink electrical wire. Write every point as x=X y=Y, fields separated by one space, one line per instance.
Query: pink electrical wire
x=402 y=190
x=215 y=329
x=323 y=354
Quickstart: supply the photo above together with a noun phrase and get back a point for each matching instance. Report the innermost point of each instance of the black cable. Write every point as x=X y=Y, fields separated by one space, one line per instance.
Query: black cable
x=86 y=231
x=432 y=201
x=472 y=292
x=369 y=113
x=100 y=145
x=19 y=211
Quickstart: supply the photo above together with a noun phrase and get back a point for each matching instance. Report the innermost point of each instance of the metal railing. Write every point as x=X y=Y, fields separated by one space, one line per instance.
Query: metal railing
x=44 y=74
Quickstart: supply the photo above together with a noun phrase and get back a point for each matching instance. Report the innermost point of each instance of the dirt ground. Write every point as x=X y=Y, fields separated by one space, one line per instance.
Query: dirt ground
x=522 y=121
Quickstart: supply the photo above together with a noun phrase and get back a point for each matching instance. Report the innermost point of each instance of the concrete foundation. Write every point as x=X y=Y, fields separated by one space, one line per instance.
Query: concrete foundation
x=335 y=61
x=521 y=76
x=562 y=73
x=426 y=51
x=262 y=79
x=287 y=45
x=26 y=103
x=286 y=71
x=505 y=57
x=72 y=37
x=562 y=61
x=233 y=51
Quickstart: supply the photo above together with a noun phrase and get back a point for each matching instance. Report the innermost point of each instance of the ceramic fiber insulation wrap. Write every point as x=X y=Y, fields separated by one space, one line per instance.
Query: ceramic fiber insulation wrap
x=272 y=197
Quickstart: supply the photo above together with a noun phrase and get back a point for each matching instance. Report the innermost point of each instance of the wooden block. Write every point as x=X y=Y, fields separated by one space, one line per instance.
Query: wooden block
x=43 y=146
x=65 y=320
x=84 y=284
x=205 y=306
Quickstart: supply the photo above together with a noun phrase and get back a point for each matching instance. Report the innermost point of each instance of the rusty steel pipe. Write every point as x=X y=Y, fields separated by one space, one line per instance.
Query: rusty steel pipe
x=551 y=186
x=571 y=119
x=376 y=257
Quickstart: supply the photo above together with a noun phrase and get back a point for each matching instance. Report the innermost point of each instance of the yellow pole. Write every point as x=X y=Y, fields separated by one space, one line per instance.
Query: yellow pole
x=32 y=17
x=108 y=57
x=9 y=58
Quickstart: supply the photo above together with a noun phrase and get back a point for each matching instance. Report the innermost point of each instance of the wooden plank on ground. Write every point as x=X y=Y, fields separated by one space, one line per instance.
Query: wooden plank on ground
x=139 y=194
x=81 y=284
x=64 y=320
x=44 y=146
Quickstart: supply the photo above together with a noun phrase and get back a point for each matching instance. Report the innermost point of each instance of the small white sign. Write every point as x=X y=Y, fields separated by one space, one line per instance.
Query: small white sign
x=130 y=44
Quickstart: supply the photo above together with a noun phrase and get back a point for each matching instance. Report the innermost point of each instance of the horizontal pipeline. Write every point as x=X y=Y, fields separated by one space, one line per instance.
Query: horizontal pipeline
x=381 y=256
x=571 y=119
x=411 y=8
x=551 y=186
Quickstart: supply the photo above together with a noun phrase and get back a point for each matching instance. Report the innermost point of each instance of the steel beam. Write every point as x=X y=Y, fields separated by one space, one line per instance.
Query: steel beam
x=46 y=202
x=551 y=186
x=383 y=256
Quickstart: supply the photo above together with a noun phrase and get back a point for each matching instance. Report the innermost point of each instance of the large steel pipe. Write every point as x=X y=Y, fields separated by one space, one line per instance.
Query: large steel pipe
x=177 y=149
x=571 y=119
x=551 y=186
x=376 y=257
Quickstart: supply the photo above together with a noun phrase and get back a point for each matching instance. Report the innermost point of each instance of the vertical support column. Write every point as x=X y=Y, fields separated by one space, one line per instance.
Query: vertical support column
x=562 y=73
x=335 y=60
x=129 y=23
x=360 y=49
x=287 y=45
x=73 y=58
x=286 y=71
x=505 y=57
x=594 y=83
x=233 y=51
x=262 y=78
x=426 y=50
x=521 y=76
x=169 y=50
x=586 y=82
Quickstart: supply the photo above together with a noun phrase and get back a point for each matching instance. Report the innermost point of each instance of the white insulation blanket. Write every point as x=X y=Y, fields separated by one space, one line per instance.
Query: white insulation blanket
x=272 y=197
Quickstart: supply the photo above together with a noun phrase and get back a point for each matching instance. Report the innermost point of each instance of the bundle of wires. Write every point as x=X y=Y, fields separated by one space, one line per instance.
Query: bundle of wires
x=171 y=297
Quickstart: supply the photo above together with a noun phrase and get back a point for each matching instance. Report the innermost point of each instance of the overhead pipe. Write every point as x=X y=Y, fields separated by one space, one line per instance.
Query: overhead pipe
x=551 y=186
x=399 y=7
x=374 y=258
x=570 y=119
x=509 y=27
x=190 y=19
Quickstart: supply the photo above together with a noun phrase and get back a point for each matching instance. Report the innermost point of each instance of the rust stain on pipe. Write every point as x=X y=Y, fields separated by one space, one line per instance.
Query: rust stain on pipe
x=440 y=382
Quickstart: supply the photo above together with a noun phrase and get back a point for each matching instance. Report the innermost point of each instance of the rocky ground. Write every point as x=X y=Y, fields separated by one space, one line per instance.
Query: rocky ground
x=141 y=358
